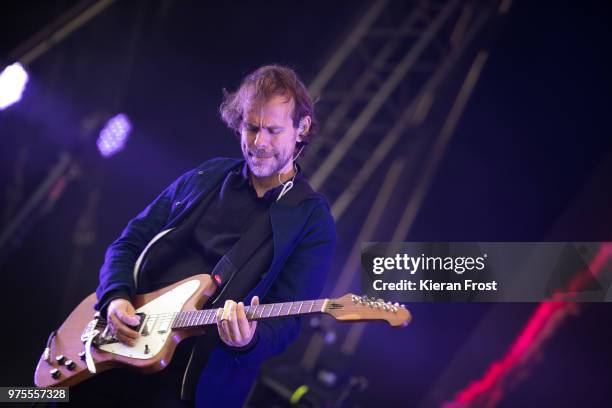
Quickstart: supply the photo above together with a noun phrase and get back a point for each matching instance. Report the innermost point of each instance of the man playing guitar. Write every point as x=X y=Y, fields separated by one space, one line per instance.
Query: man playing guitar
x=189 y=228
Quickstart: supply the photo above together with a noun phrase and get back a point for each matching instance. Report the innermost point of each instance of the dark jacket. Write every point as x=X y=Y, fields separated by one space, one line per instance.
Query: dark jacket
x=304 y=240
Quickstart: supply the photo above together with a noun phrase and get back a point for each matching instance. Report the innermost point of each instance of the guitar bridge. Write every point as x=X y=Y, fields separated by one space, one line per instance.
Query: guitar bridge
x=91 y=326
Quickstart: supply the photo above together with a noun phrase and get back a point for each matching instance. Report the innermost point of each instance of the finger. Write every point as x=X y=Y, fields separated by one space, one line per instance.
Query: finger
x=222 y=324
x=118 y=327
x=125 y=340
x=126 y=331
x=234 y=330
x=129 y=319
x=222 y=327
x=114 y=331
x=227 y=309
x=223 y=333
x=243 y=323
x=226 y=333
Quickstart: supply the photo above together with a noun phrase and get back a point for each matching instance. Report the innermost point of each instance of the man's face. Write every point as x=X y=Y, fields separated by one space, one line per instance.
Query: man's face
x=268 y=138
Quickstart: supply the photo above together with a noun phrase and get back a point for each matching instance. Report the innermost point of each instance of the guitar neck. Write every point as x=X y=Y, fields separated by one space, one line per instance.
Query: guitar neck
x=207 y=317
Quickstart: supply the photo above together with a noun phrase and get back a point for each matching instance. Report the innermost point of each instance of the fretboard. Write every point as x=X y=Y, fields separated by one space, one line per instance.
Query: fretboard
x=209 y=316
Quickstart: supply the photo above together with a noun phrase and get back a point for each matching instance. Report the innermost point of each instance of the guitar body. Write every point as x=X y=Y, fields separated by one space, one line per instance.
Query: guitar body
x=153 y=349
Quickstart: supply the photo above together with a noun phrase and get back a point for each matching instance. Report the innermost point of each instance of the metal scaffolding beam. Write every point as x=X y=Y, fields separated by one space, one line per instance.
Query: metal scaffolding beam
x=400 y=65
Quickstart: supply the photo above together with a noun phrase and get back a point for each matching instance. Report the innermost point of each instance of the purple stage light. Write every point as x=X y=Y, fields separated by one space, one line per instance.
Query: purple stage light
x=114 y=135
x=13 y=80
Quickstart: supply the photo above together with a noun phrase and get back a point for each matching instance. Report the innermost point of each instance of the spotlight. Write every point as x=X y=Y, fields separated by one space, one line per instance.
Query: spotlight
x=13 y=80
x=113 y=137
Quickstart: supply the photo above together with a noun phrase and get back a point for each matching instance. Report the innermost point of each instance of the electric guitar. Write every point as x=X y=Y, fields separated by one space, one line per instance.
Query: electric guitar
x=83 y=346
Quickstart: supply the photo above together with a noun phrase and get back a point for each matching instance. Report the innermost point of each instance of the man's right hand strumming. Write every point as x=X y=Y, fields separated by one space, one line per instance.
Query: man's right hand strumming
x=120 y=314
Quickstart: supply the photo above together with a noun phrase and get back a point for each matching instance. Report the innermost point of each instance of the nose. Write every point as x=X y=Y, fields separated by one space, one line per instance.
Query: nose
x=261 y=138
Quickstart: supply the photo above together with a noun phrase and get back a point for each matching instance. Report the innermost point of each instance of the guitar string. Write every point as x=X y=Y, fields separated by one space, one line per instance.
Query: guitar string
x=169 y=317
x=186 y=313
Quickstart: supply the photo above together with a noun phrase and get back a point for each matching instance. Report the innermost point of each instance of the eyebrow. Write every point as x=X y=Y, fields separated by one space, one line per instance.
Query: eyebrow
x=275 y=127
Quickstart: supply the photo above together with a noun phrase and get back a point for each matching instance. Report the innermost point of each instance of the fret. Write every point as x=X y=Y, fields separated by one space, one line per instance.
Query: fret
x=280 y=309
x=270 y=310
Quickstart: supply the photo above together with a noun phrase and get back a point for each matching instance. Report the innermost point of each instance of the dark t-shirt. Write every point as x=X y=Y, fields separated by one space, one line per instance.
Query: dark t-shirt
x=208 y=233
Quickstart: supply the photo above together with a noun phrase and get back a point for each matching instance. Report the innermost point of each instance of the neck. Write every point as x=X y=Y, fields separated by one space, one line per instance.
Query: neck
x=263 y=184
x=199 y=318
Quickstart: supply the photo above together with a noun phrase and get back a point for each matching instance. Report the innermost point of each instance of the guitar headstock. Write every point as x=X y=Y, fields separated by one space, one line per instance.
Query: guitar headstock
x=363 y=308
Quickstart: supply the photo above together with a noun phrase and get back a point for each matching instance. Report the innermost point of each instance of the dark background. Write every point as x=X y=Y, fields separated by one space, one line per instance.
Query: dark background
x=531 y=160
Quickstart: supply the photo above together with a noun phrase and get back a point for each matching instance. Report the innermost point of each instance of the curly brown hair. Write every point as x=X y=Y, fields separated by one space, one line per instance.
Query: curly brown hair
x=262 y=84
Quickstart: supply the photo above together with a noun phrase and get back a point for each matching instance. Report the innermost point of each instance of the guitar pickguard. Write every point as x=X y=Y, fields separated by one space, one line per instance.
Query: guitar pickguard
x=156 y=329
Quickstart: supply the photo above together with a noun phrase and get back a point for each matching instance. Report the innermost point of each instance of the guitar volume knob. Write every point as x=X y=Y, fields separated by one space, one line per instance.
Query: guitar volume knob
x=55 y=373
x=69 y=364
x=60 y=359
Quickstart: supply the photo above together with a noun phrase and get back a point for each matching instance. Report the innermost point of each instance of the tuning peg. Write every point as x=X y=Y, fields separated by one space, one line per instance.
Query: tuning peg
x=403 y=306
x=396 y=304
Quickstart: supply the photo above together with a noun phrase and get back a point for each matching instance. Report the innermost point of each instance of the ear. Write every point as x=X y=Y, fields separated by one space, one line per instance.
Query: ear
x=304 y=127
